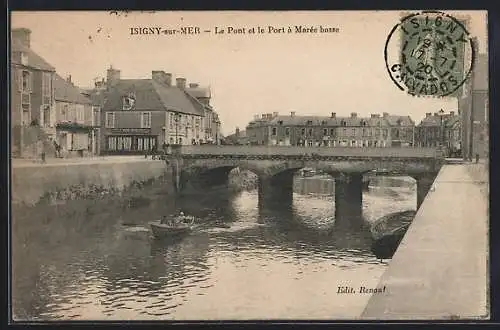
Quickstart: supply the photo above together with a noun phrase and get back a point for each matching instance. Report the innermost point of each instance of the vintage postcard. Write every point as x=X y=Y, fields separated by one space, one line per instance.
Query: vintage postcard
x=322 y=165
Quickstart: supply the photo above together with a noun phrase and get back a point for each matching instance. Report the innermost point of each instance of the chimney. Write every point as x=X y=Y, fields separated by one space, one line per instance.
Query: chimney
x=292 y=114
x=113 y=76
x=333 y=115
x=168 y=79
x=194 y=85
x=264 y=116
x=237 y=133
x=69 y=80
x=22 y=35
x=354 y=115
x=180 y=83
x=275 y=114
x=428 y=114
x=373 y=115
x=256 y=117
x=385 y=114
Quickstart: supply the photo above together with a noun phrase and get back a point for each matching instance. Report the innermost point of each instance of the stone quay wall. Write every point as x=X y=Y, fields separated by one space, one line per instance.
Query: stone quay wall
x=54 y=183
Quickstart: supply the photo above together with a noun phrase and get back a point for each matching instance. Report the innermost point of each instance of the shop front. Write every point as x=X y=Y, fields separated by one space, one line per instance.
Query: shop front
x=130 y=141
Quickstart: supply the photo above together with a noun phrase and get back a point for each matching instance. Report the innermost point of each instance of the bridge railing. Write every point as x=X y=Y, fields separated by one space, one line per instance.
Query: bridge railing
x=222 y=150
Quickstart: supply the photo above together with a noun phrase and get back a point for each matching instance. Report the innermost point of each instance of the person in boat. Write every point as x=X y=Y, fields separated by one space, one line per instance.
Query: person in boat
x=164 y=220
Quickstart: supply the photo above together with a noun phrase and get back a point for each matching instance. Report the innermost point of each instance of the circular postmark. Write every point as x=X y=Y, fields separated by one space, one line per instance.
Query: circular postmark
x=429 y=54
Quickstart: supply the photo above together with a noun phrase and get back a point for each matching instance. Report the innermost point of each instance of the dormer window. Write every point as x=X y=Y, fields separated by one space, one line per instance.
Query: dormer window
x=129 y=102
x=309 y=122
x=24 y=59
x=343 y=123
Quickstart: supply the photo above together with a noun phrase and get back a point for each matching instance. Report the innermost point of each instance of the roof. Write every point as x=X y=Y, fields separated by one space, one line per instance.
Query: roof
x=395 y=120
x=151 y=95
x=435 y=120
x=333 y=121
x=199 y=92
x=34 y=60
x=480 y=73
x=64 y=91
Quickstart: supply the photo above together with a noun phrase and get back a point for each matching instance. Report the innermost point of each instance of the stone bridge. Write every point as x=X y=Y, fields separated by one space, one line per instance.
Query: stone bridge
x=200 y=167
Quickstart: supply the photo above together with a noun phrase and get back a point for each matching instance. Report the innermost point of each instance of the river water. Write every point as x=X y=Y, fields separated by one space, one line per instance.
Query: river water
x=280 y=263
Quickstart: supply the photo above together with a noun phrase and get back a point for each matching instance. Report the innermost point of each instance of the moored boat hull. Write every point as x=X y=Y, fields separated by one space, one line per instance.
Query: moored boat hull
x=164 y=231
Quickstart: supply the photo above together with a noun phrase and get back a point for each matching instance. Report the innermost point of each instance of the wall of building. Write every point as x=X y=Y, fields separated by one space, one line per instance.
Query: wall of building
x=53 y=183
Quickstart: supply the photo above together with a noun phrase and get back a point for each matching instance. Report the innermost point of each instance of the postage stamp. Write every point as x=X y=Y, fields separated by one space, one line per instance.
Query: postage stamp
x=436 y=54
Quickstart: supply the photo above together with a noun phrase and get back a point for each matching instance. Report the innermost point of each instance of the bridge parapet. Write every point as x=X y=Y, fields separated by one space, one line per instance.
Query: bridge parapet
x=286 y=152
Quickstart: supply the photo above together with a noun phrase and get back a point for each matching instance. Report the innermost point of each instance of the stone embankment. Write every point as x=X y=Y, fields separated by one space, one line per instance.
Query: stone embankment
x=60 y=182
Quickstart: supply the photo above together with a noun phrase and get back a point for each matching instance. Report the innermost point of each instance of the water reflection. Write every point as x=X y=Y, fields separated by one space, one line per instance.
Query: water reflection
x=283 y=261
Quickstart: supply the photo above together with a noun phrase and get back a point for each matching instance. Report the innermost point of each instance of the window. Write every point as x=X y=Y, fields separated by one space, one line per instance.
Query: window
x=344 y=131
x=110 y=119
x=146 y=120
x=353 y=132
x=310 y=132
x=46 y=115
x=364 y=132
x=325 y=131
x=332 y=131
x=47 y=88
x=287 y=131
x=25 y=81
x=275 y=131
x=64 y=112
x=80 y=115
x=303 y=131
x=112 y=142
x=26 y=116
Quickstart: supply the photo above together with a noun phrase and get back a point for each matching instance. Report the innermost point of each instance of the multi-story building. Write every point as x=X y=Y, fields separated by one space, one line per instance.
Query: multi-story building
x=440 y=129
x=473 y=107
x=211 y=122
x=353 y=131
x=75 y=120
x=32 y=96
x=143 y=114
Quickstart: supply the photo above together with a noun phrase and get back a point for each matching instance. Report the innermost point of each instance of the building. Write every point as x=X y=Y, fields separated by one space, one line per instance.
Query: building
x=75 y=120
x=473 y=107
x=238 y=138
x=211 y=122
x=353 y=131
x=32 y=97
x=139 y=115
x=440 y=129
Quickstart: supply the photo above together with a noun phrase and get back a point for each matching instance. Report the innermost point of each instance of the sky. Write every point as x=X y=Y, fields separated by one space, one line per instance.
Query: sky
x=248 y=74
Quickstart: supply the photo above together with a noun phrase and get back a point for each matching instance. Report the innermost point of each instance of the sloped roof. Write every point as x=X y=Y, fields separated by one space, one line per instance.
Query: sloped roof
x=64 y=91
x=199 y=91
x=151 y=95
x=34 y=60
x=395 y=120
x=480 y=74
x=435 y=120
x=318 y=121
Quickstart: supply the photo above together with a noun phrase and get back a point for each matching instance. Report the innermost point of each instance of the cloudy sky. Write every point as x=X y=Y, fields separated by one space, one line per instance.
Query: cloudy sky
x=313 y=74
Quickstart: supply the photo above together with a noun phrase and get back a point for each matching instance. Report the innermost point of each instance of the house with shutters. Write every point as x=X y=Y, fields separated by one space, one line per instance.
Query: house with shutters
x=32 y=97
x=141 y=115
x=76 y=129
